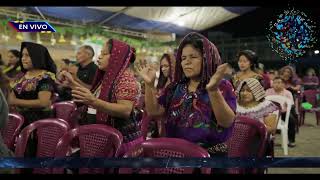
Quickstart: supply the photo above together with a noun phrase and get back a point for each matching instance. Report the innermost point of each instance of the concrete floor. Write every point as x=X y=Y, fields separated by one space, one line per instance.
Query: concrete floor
x=307 y=145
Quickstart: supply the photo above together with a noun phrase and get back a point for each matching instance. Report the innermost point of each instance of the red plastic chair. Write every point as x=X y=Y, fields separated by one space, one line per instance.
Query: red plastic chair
x=12 y=129
x=49 y=131
x=166 y=147
x=248 y=139
x=65 y=110
x=311 y=97
x=96 y=140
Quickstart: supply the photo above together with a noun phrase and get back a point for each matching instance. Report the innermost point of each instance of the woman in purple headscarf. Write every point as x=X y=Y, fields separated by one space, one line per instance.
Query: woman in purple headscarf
x=199 y=105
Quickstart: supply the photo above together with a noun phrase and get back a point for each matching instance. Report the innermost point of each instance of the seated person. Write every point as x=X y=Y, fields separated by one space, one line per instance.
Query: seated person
x=279 y=89
x=252 y=104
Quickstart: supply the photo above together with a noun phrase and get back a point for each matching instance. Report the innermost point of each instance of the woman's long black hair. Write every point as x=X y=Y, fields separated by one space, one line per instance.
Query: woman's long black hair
x=162 y=79
x=40 y=57
x=251 y=56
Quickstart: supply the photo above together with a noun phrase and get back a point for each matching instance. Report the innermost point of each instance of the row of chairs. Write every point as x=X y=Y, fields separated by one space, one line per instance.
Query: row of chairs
x=63 y=110
x=308 y=96
x=56 y=137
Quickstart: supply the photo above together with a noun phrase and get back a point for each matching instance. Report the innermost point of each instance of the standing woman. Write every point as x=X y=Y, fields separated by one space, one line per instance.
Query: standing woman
x=199 y=105
x=13 y=67
x=248 y=63
x=114 y=94
x=166 y=77
x=166 y=71
x=31 y=92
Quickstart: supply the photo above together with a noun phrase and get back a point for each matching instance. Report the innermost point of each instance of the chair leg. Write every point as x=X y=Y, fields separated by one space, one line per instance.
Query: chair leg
x=302 y=118
x=318 y=117
x=284 y=135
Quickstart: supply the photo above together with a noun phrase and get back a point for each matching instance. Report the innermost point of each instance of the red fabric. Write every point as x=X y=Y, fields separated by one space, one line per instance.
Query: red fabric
x=126 y=88
x=121 y=54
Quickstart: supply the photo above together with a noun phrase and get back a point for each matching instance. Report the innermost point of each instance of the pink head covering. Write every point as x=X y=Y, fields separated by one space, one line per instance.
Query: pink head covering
x=121 y=54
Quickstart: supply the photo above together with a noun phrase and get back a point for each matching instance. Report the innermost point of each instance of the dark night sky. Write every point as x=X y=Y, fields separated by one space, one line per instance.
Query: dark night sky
x=255 y=23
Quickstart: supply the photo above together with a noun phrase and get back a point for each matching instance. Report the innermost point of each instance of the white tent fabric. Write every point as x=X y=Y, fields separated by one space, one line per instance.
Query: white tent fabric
x=176 y=20
x=195 y=18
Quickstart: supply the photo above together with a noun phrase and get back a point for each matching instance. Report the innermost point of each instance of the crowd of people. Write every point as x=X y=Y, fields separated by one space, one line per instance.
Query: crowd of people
x=193 y=95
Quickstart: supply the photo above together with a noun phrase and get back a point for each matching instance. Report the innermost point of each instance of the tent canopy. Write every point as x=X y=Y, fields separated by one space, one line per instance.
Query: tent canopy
x=179 y=20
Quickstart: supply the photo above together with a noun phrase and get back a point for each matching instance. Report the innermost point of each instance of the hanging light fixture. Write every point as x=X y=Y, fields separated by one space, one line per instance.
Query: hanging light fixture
x=53 y=40
x=73 y=40
x=94 y=38
x=180 y=23
x=5 y=37
x=61 y=39
x=82 y=39
x=19 y=36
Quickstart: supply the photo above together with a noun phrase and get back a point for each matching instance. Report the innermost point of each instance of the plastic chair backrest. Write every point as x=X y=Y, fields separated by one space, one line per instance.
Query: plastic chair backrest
x=12 y=129
x=166 y=147
x=282 y=100
x=64 y=110
x=48 y=132
x=311 y=97
x=248 y=139
x=96 y=140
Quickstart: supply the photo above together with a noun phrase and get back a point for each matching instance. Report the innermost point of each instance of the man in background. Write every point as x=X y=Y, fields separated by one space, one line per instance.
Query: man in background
x=85 y=70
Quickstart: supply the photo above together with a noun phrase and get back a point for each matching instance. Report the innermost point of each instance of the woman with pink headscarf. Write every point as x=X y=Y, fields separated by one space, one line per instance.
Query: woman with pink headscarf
x=114 y=94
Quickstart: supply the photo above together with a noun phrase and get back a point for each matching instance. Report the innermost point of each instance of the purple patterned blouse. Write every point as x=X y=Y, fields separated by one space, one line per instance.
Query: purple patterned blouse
x=190 y=116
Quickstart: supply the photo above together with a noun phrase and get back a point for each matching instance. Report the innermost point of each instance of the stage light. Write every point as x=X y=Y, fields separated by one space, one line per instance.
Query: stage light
x=180 y=23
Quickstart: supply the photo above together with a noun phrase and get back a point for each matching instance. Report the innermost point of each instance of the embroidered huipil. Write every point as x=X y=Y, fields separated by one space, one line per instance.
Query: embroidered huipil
x=190 y=115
